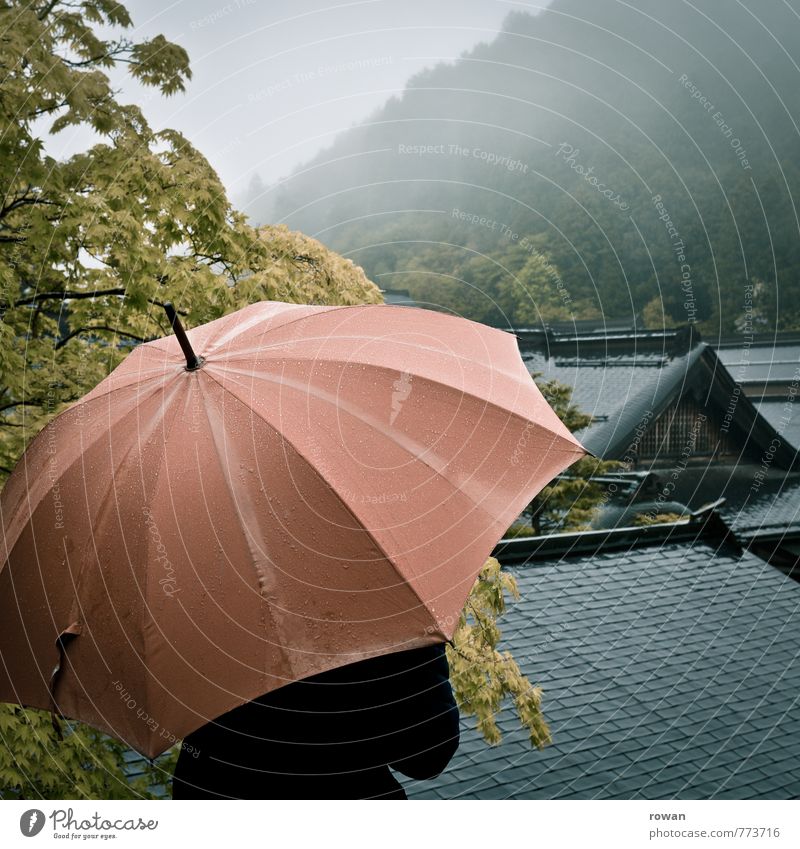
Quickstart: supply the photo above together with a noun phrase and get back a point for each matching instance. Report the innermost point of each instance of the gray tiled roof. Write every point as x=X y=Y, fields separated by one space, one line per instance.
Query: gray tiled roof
x=668 y=672
x=764 y=361
x=621 y=391
x=783 y=415
x=624 y=386
x=601 y=386
x=774 y=511
x=772 y=367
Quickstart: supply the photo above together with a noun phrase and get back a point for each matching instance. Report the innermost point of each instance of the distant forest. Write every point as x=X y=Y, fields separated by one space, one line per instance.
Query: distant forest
x=599 y=159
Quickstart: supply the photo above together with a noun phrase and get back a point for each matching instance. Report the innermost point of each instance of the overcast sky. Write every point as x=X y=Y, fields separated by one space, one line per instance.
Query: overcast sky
x=273 y=82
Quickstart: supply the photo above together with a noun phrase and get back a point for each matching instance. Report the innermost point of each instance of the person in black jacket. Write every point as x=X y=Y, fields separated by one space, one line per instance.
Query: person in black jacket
x=332 y=736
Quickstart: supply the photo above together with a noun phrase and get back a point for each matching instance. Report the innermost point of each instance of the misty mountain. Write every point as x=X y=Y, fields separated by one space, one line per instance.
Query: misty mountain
x=647 y=148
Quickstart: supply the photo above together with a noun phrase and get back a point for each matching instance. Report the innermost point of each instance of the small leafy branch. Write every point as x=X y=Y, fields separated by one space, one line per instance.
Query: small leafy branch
x=484 y=677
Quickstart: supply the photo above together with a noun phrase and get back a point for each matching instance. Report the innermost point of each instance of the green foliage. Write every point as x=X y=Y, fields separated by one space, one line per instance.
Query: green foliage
x=35 y=764
x=572 y=500
x=92 y=246
x=658 y=519
x=654 y=316
x=537 y=294
x=484 y=677
x=518 y=529
x=514 y=285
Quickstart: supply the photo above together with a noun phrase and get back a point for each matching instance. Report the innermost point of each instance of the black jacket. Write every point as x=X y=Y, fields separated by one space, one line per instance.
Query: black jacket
x=332 y=736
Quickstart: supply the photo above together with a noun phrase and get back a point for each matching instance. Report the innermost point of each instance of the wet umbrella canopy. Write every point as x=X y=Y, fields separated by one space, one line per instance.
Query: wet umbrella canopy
x=321 y=485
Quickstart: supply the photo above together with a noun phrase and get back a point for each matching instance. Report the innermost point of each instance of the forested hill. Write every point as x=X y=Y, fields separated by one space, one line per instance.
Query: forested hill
x=588 y=161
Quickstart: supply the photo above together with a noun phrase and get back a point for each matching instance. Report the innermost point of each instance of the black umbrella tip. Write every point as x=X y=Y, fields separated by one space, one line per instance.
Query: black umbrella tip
x=192 y=360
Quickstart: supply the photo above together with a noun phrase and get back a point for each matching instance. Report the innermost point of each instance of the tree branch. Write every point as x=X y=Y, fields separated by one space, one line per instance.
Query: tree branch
x=46 y=110
x=101 y=327
x=26 y=201
x=13 y=404
x=119 y=49
x=45 y=11
x=67 y=295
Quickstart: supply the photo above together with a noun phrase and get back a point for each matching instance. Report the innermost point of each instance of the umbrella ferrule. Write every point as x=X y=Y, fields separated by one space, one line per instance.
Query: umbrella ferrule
x=192 y=360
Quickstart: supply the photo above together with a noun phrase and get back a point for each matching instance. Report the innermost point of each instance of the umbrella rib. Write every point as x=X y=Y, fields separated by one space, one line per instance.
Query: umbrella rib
x=249 y=539
x=311 y=464
x=238 y=330
x=232 y=329
x=158 y=476
x=139 y=376
x=246 y=354
x=573 y=448
x=136 y=379
x=32 y=509
x=355 y=413
x=283 y=381
x=325 y=309
x=77 y=607
x=332 y=488
x=101 y=516
x=321 y=310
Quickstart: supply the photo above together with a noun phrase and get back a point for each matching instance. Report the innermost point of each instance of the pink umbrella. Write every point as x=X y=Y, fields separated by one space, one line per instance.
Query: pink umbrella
x=279 y=492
